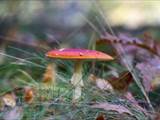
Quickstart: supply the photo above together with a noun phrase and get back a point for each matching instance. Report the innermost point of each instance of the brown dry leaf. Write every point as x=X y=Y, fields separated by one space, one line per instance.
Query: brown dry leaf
x=155 y=83
x=111 y=107
x=49 y=76
x=100 y=83
x=9 y=99
x=157 y=116
x=29 y=95
x=101 y=117
x=122 y=83
x=148 y=43
x=119 y=84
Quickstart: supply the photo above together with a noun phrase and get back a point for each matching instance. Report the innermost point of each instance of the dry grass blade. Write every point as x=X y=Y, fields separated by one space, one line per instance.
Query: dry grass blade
x=107 y=106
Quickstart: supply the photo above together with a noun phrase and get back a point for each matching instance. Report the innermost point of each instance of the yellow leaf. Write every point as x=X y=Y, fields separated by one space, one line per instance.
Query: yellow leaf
x=49 y=76
x=9 y=99
x=29 y=95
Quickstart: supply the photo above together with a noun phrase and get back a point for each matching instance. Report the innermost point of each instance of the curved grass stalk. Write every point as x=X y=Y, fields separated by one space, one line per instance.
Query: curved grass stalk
x=28 y=76
x=23 y=60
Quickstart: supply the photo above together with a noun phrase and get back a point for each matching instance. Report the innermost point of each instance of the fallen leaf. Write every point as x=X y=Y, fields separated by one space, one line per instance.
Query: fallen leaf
x=49 y=76
x=28 y=95
x=111 y=107
x=101 y=117
x=157 y=116
x=148 y=40
x=15 y=114
x=149 y=72
x=155 y=83
x=100 y=83
x=9 y=99
x=103 y=84
x=122 y=83
x=119 y=84
x=126 y=39
x=147 y=43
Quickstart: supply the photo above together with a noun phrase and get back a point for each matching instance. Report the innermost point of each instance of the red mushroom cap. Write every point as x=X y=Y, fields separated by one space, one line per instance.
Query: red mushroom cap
x=80 y=54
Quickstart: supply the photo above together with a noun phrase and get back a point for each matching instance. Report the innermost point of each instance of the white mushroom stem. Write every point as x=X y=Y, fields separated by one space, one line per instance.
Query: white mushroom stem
x=77 y=81
x=77 y=93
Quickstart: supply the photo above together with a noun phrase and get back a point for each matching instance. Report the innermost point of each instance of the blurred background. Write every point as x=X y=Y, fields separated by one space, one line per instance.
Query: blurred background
x=48 y=24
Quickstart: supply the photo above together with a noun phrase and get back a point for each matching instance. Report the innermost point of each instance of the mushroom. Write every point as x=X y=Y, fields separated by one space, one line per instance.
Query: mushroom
x=79 y=55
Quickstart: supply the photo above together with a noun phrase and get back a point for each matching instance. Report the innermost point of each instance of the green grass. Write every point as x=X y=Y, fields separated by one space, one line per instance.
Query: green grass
x=57 y=104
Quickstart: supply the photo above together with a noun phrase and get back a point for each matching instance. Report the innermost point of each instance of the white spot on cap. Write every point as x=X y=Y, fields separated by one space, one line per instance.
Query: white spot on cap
x=81 y=54
x=61 y=49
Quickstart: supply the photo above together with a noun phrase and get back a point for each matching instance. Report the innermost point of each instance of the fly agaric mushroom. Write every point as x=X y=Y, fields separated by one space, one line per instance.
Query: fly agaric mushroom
x=78 y=55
